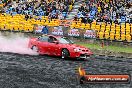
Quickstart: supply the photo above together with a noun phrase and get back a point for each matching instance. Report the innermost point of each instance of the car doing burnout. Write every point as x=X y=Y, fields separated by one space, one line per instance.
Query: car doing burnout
x=58 y=46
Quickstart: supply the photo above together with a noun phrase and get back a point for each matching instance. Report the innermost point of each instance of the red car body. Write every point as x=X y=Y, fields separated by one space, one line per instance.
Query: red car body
x=58 y=44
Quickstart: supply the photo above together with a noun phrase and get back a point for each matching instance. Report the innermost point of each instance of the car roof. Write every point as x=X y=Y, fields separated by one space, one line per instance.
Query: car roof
x=51 y=35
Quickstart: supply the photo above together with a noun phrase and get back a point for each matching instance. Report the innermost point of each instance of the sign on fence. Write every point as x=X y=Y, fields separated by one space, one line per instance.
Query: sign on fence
x=74 y=32
x=62 y=31
x=38 y=29
x=57 y=30
x=90 y=34
x=41 y=29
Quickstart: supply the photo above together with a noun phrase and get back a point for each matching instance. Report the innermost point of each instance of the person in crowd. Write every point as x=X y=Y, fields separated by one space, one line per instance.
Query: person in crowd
x=45 y=30
x=42 y=8
x=108 y=9
x=26 y=17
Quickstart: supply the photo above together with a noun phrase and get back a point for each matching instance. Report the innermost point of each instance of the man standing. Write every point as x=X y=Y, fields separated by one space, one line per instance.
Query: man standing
x=45 y=30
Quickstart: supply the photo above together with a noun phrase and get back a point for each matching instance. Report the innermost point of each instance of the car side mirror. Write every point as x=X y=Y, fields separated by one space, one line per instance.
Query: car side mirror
x=56 y=42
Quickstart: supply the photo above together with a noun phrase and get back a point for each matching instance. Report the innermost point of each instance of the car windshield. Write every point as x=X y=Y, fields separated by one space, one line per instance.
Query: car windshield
x=64 y=40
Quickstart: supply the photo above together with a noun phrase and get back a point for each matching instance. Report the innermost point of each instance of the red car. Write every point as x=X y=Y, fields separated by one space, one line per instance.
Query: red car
x=58 y=46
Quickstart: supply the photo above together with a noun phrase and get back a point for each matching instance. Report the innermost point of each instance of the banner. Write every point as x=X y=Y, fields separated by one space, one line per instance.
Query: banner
x=57 y=30
x=38 y=29
x=90 y=34
x=74 y=33
x=62 y=31
x=42 y=29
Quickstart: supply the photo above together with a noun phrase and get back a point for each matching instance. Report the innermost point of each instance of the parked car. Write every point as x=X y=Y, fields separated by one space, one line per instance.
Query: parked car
x=58 y=46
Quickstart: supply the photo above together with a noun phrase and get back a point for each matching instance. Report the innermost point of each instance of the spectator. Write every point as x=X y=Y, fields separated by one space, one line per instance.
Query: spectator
x=75 y=18
x=109 y=10
x=26 y=17
x=40 y=8
x=60 y=16
x=45 y=30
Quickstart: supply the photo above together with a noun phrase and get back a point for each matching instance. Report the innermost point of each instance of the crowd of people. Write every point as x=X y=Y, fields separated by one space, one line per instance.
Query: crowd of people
x=55 y=9
x=117 y=11
x=105 y=11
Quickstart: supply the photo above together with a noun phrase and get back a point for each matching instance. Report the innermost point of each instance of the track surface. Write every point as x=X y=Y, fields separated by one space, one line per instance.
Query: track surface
x=25 y=71
x=28 y=71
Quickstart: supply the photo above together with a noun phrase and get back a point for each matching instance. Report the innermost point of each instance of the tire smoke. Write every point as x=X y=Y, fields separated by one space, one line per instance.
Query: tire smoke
x=15 y=43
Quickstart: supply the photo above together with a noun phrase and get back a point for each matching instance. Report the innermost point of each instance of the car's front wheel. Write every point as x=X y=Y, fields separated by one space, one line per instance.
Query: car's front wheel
x=65 y=54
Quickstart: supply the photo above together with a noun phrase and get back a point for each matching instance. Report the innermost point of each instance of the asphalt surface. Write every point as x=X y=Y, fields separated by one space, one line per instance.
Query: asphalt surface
x=33 y=71
x=27 y=71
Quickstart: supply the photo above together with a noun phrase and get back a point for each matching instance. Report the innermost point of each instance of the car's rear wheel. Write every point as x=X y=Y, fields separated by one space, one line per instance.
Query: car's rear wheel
x=65 y=54
x=35 y=48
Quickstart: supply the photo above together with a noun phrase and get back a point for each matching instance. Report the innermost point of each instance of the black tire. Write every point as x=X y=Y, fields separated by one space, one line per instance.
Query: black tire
x=35 y=48
x=65 y=54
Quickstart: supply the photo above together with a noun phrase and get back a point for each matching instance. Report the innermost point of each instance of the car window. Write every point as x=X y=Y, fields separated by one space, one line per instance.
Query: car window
x=43 y=39
x=64 y=40
x=51 y=39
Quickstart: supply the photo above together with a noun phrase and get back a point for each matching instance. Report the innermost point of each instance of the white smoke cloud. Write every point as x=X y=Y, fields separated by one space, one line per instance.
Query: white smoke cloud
x=15 y=43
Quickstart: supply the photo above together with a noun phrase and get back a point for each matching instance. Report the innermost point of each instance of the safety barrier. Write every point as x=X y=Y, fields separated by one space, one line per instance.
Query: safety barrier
x=122 y=32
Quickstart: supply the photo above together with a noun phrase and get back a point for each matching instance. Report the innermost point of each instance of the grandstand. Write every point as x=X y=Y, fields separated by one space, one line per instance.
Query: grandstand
x=23 y=16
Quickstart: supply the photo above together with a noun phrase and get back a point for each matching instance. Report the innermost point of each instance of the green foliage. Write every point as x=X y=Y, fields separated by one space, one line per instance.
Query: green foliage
x=108 y=48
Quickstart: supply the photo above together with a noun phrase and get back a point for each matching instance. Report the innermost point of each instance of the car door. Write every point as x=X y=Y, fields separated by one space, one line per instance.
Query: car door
x=53 y=47
x=43 y=44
